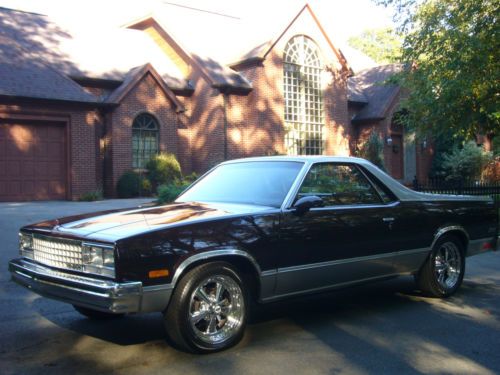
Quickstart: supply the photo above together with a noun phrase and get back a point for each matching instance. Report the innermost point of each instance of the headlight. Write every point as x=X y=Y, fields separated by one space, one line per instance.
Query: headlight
x=98 y=259
x=26 y=245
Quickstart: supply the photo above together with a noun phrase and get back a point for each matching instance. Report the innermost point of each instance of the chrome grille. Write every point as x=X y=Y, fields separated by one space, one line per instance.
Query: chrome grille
x=58 y=252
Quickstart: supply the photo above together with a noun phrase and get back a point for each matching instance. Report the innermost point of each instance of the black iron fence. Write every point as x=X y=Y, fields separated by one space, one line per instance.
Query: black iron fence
x=440 y=185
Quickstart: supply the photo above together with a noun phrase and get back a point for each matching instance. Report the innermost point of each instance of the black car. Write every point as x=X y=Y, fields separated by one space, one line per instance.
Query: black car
x=254 y=230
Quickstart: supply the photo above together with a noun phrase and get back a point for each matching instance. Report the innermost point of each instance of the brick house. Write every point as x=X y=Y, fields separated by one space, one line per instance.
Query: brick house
x=374 y=105
x=76 y=114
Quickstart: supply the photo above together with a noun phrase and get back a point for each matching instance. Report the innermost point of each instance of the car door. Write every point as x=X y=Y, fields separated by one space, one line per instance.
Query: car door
x=346 y=240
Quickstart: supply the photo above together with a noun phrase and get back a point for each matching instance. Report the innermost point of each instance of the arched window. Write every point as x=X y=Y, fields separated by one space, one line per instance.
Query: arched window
x=144 y=139
x=304 y=119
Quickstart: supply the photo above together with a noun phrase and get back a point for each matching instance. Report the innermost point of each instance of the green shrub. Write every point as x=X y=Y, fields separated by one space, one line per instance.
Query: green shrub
x=163 y=169
x=373 y=150
x=189 y=179
x=169 y=192
x=466 y=162
x=129 y=185
x=146 y=187
x=91 y=196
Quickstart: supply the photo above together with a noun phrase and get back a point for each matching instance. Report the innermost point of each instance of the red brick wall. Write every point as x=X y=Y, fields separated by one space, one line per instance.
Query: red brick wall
x=146 y=96
x=256 y=125
x=204 y=127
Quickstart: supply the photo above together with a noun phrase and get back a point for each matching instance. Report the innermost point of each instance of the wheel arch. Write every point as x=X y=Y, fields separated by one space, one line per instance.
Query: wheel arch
x=240 y=260
x=456 y=230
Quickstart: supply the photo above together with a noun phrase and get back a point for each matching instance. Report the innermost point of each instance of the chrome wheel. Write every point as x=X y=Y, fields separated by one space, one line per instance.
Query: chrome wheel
x=216 y=309
x=448 y=265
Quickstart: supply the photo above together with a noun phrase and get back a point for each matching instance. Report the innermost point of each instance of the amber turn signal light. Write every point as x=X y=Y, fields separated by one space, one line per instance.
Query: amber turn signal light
x=157 y=273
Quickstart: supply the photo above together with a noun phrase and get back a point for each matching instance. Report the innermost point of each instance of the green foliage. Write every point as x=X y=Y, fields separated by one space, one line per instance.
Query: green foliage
x=146 y=187
x=373 y=150
x=466 y=162
x=162 y=169
x=91 y=196
x=129 y=185
x=496 y=146
x=442 y=145
x=454 y=46
x=382 y=45
x=169 y=192
x=190 y=178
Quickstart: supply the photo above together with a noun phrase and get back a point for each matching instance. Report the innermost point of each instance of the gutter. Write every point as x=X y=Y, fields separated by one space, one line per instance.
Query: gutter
x=30 y=100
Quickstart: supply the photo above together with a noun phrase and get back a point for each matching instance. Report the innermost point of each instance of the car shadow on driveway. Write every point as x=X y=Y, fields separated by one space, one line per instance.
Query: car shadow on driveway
x=137 y=329
x=142 y=328
x=126 y=330
x=363 y=324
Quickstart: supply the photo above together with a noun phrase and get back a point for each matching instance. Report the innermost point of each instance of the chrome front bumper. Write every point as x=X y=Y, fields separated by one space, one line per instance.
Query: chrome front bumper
x=97 y=294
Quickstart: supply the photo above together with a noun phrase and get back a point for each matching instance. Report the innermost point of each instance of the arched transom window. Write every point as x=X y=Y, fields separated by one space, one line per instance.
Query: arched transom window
x=144 y=139
x=304 y=119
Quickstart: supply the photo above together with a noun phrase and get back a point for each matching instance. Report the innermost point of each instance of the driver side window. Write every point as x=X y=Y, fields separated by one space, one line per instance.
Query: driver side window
x=338 y=184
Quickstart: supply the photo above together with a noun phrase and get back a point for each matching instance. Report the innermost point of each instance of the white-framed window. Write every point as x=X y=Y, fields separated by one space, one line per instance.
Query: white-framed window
x=144 y=139
x=304 y=117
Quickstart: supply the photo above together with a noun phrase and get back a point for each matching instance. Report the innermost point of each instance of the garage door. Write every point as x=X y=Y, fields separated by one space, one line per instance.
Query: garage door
x=32 y=161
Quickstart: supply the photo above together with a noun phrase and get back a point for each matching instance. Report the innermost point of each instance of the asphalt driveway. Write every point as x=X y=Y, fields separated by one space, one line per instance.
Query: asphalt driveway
x=383 y=328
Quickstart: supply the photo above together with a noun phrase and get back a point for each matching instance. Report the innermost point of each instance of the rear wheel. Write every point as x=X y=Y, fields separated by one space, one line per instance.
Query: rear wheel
x=208 y=310
x=443 y=272
x=95 y=314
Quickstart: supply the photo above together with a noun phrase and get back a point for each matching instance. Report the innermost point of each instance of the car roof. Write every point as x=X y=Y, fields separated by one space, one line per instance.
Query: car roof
x=302 y=159
x=401 y=191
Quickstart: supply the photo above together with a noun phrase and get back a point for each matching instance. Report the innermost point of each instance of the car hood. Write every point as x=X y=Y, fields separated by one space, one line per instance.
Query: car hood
x=111 y=226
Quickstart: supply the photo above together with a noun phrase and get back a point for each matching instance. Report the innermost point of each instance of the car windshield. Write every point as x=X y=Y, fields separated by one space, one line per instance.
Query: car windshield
x=263 y=183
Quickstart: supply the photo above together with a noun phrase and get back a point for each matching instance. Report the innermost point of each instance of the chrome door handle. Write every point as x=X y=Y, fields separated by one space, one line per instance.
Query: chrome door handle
x=388 y=219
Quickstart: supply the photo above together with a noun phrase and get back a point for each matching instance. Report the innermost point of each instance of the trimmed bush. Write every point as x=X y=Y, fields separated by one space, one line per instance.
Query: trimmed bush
x=169 y=192
x=129 y=185
x=467 y=162
x=146 y=187
x=189 y=179
x=163 y=169
x=91 y=196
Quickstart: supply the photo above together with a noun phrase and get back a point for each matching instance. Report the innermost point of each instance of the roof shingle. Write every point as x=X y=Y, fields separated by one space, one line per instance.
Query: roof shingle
x=370 y=86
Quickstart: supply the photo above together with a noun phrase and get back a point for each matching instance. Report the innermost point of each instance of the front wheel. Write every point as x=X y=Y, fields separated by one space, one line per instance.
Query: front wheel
x=208 y=310
x=443 y=272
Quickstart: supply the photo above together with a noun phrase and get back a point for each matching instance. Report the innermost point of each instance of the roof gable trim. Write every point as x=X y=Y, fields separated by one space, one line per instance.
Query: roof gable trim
x=121 y=92
x=336 y=51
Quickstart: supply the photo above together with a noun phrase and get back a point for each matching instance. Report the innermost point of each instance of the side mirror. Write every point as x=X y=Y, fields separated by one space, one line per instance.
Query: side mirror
x=304 y=204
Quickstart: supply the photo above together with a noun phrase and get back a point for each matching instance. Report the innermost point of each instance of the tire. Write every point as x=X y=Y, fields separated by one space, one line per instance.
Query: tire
x=95 y=314
x=196 y=320
x=443 y=272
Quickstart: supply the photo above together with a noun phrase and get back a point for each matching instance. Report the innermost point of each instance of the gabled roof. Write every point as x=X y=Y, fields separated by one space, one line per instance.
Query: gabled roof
x=132 y=79
x=370 y=86
x=221 y=42
x=24 y=77
x=216 y=73
x=262 y=50
x=92 y=52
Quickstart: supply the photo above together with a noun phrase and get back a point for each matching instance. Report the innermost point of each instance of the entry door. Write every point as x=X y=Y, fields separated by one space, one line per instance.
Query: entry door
x=347 y=240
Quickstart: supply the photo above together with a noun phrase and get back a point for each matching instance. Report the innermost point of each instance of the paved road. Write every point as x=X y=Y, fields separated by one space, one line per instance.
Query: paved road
x=380 y=329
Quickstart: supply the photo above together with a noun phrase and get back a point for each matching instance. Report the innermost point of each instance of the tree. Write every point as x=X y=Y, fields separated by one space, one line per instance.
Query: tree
x=382 y=45
x=454 y=50
x=466 y=162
